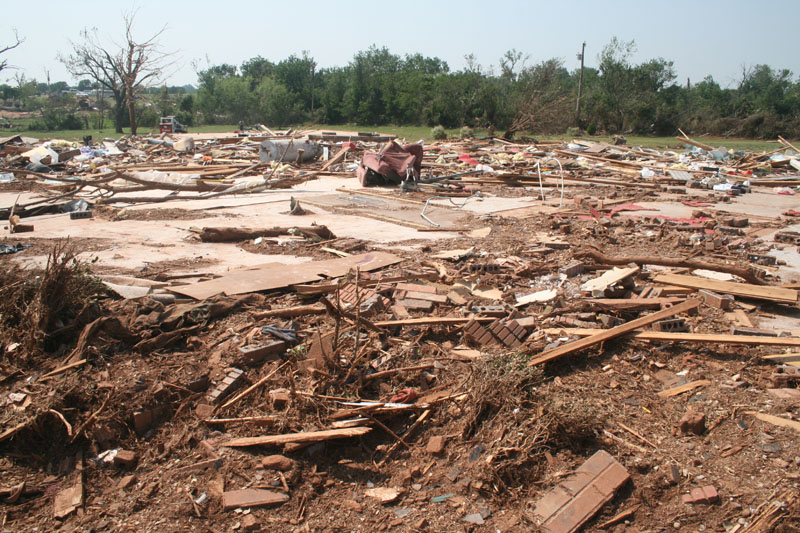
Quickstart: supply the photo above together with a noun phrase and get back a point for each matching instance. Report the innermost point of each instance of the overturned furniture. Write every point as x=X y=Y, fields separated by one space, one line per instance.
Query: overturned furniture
x=391 y=165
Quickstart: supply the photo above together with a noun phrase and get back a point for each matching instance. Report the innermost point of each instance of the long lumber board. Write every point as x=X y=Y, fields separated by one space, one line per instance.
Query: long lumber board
x=303 y=436
x=630 y=304
x=432 y=321
x=791 y=359
x=606 y=334
x=761 y=292
x=686 y=337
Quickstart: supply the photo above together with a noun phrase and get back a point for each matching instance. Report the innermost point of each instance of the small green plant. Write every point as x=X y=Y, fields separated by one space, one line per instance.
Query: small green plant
x=298 y=351
x=439 y=133
x=466 y=133
x=591 y=129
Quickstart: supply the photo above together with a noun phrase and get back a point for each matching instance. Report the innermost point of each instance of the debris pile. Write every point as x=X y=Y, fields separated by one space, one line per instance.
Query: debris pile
x=508 y=337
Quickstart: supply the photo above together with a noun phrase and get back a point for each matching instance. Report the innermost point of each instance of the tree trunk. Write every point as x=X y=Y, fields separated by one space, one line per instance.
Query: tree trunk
x=132 y=115
x=119 y=110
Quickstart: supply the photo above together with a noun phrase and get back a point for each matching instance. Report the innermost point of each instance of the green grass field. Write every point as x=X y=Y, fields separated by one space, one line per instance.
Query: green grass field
x=414 y=133
x=411 y=134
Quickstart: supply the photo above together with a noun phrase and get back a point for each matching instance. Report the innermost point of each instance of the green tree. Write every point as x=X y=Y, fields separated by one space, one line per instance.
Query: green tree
x=296 y=74
x=257 y=68
x=276 y=104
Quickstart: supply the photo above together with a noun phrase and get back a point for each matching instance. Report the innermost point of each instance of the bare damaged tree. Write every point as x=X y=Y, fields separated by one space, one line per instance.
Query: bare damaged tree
x=17 y=42
x=544 y=106
x=125 y=71
x=90 y=59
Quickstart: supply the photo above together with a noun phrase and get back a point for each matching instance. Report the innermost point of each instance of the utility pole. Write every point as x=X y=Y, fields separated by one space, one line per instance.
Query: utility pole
x=580 y=89
x=313 y=68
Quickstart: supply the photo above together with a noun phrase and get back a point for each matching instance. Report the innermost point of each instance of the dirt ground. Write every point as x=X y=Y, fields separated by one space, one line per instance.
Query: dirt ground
x=454 y=434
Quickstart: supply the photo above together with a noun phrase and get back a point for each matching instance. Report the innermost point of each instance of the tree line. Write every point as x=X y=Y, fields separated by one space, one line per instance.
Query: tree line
x=378 y=87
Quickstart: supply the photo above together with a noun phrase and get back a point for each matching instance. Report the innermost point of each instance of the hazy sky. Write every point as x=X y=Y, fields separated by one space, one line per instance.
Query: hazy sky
x=702 y=37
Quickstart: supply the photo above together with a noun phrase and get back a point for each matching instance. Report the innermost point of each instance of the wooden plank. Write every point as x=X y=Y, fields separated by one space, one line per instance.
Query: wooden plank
x=608 y=279
x=63 y=368
x=685 y=337
x=245 y=498
x=265 y=419
x=432 y=321
x=686 y=387
x=338 y=158
x=761 y=292
x=776 y=420
x=700 y=145
x=791 y=359
x=278 y=275
x=671 y=290
x=634 y=304
x=302 y=436
x=435 y=298
x=742 y=319
x=419 y=305
x=607 y=334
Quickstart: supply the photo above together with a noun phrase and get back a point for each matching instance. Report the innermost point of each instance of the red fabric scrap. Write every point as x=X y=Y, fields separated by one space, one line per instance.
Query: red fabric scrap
x=467 y=159
x=791 y=213
x=628 y=206
x=405 y=396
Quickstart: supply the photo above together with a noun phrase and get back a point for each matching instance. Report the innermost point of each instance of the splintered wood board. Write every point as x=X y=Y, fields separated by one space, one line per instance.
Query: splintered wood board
x=604 y=335
x=746 y=290
x=278 y=275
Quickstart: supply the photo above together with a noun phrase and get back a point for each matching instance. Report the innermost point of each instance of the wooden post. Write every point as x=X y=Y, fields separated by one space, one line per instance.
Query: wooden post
x=580 y=89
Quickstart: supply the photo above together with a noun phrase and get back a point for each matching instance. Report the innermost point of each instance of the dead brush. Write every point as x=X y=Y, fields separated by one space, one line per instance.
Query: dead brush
x=517 y=423
x=34 y=304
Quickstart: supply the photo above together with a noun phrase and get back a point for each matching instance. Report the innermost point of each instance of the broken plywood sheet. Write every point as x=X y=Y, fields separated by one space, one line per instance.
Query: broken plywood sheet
x=745 y=290
x=69 y=499
x=608 y=279
x=390 y=210
x=277 y=275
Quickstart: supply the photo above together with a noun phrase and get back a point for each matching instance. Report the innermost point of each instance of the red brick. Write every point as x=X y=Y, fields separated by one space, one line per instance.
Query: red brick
x=260 y=352
x=574 y=501
x=231 y=381
x=279 y=398
x=203 y=410
x=249 y=523
x=125 y=459
x=277 y=462
x=509 y=334
x=693 y=422
x=244 y=498
x=436 y=444
x=146 y=419
x=126 y=481
x=572 y=269
x=420 y=305
x=707 y=494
